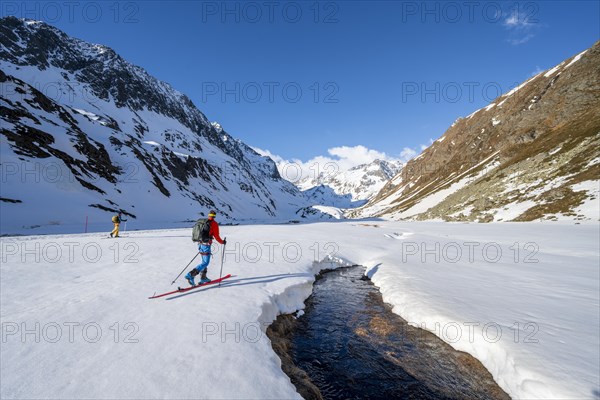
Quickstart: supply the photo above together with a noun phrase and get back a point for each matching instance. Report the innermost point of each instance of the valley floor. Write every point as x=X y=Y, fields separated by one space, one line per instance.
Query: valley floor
x=77 y=323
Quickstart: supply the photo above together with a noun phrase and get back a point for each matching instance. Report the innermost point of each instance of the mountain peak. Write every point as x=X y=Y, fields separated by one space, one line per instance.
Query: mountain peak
x=106 y=75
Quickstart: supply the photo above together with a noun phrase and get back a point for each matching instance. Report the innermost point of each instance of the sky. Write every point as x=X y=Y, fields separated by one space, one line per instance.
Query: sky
x=335 y=79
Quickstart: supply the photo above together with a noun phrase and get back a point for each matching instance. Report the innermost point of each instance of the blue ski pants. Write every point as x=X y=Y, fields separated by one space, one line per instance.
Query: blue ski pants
x=204 y=250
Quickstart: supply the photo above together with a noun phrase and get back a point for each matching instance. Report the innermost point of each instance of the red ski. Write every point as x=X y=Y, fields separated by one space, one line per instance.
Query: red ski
x=180 y=290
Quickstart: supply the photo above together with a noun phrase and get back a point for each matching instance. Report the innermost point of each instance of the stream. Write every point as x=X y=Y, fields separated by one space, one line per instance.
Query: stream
x=350 y=345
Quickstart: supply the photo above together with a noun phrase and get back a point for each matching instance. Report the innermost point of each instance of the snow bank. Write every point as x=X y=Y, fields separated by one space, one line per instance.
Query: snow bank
x=526 y=306
x=208 y=343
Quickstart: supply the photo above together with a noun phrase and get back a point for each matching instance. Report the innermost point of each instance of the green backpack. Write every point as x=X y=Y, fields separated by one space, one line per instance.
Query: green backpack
x=200 y=232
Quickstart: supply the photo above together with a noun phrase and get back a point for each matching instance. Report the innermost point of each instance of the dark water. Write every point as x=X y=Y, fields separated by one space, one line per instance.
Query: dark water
x=352 y=346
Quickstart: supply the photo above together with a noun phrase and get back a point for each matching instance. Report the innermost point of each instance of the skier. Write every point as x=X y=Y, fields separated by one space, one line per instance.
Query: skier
x=116 y=219
x=204 y=249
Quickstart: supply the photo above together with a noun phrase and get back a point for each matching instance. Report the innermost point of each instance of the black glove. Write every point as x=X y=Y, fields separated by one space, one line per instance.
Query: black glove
x=224 y=242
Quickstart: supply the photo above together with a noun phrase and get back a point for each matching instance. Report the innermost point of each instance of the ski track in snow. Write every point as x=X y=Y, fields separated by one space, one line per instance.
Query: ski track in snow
x=195 y=344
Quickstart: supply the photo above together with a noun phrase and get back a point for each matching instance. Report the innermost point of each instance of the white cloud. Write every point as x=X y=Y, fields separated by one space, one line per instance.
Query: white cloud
x=518 y=20
x=357 y=155
x=340 y=158
x=407 y=153
x=511 y=21
x=520 y=40
x=521 y=27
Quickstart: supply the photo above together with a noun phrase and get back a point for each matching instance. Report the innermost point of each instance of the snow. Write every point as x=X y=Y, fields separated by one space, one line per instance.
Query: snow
x=575 y=59
x=512 y=210
x=495 y=121
x=326 y=196
x=512 y=183
x=487 y=108
x=181 y=154
x=591 y=206
x=554 y=301
x=91 y=115
x=440 y=140
x=473 y=113
x=552 y=71
x=593 y=161
x=204 y=341
x=100 y=49
x=554 y=151
x=217 y=126
x=465 y=211
x=516 y=89
x=335 y=212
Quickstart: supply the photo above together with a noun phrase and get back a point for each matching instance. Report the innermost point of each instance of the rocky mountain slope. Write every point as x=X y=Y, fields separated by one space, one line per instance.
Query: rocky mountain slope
x=84 y=134
x=533 y=153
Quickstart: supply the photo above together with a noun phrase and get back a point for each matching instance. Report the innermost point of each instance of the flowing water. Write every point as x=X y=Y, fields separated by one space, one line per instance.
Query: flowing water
x=352 y=346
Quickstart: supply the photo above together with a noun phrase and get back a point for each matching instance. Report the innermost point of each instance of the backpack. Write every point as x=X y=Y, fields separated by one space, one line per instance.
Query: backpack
x=201 y=230
x=115 y=219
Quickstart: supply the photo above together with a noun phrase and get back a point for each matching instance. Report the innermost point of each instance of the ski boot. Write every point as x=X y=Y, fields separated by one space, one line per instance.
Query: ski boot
x=203 y=278
x=190 y=276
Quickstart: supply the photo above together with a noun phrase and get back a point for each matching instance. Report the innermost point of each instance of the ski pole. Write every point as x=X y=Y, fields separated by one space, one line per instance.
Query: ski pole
x=222 y=257
x=188 y=264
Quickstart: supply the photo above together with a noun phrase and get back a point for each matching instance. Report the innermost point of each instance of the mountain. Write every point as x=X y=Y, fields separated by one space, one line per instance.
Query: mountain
x=348 y=188
x=326 y=196
x=533 y=153
x=84 y=134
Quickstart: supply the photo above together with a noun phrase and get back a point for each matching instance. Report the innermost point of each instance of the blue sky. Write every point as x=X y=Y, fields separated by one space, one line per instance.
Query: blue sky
x=300 y=78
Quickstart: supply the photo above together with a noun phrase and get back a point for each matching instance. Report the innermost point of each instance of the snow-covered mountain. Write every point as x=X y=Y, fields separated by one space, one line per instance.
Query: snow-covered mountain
x=349 y=188
x=533 y=153
x=85 y=133
x=326 y=196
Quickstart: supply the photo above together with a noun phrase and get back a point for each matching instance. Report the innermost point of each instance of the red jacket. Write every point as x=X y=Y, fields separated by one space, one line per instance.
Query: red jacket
x=214 y=231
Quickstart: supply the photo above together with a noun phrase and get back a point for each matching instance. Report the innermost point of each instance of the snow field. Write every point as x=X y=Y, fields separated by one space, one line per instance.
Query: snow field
x=523 y=298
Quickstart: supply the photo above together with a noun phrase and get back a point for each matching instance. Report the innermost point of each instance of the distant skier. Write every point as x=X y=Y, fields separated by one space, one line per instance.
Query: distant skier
x=116 y=219
x=204 y=232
